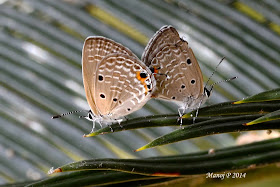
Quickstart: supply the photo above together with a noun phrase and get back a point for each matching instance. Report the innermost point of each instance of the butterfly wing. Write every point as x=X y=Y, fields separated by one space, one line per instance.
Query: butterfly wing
x=94 y=50
x=167 y=35
x=179 y=77
x=124 y=85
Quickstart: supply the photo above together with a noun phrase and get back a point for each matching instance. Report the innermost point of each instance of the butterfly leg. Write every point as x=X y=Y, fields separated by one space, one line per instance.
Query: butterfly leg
x=181 y=112
x=99 y=122
x=196 y=113
x=119 y=122
x=109 y=124
x=89 y=117
x=93 y=124
x=112 y=130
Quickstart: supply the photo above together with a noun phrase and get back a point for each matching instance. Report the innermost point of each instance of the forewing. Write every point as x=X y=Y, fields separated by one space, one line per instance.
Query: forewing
x=94 y=50
x=167 y=35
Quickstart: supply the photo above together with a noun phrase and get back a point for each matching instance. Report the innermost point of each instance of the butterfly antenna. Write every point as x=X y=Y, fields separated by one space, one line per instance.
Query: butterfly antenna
x=211 y=87
x=214 y=71
x=64 y=114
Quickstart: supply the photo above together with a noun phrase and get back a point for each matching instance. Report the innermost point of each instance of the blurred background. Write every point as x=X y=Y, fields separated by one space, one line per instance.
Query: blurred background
x=40 y=72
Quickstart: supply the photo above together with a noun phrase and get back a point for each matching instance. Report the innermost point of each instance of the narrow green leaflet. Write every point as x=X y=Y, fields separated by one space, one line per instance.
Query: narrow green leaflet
x=270 y=95
x=217 y=110
x=231 y=158
x=144 y=122
x=268 y=117
x=229 y=109
x=210 y=127
x=86 y=178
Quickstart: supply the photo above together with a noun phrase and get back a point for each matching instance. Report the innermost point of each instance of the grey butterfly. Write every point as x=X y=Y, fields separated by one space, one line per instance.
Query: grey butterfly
x=168 y=54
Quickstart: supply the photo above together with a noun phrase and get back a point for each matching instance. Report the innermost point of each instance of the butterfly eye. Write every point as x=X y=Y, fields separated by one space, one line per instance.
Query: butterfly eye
x=90 y=116
x=207 y=92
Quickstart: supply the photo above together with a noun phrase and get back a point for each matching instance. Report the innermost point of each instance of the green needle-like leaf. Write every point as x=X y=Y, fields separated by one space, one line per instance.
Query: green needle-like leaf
x=268 y=117
x=210 y=127
x=228 y=109
x=144 y=122
x=263 y=152
x=88 y=178
x=270 y=95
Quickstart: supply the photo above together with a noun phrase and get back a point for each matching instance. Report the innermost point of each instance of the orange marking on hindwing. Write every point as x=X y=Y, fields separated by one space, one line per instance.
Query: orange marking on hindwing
x=142 y=80
x=155 y=70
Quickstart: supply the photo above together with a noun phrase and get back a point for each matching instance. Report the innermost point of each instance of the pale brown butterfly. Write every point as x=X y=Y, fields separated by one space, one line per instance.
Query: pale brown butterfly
x=116 y=82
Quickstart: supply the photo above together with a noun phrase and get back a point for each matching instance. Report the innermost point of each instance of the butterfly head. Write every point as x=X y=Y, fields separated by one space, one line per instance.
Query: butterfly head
x=90 y=116
x=207 y=93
